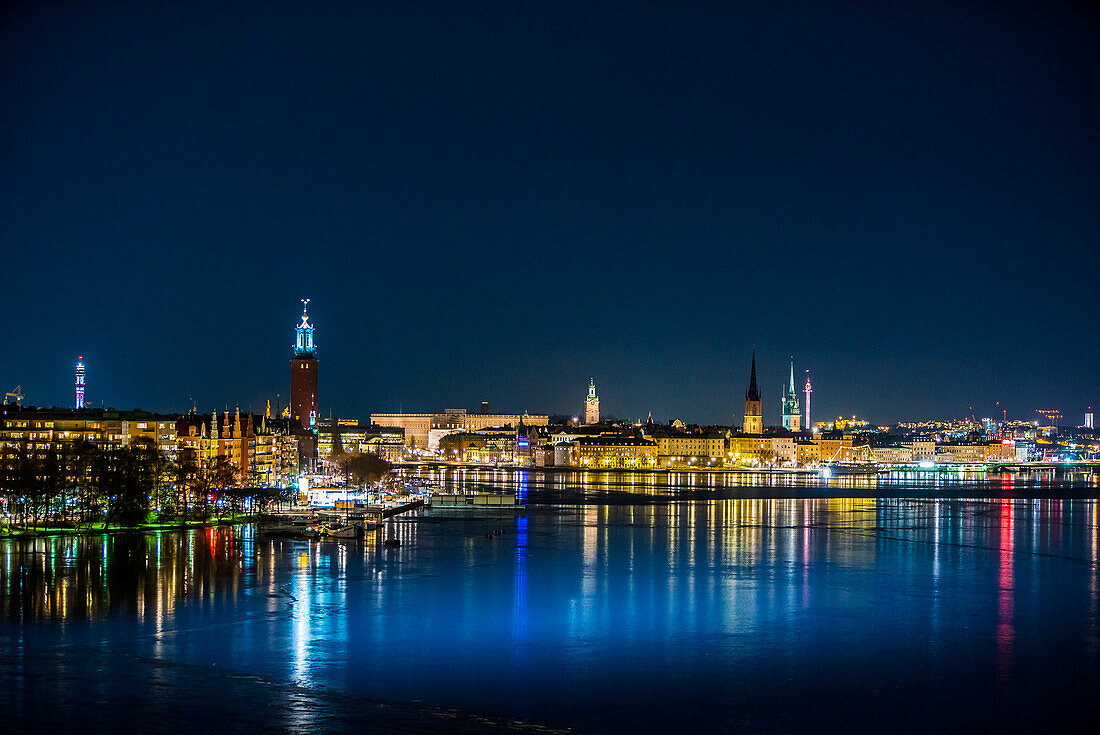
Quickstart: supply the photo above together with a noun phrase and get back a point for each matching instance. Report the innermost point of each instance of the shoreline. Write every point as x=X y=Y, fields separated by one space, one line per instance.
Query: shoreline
x=1010 y=468
x=29 y=533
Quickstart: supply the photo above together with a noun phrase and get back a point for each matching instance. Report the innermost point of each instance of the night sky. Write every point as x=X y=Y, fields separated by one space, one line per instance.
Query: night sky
x=497 y=201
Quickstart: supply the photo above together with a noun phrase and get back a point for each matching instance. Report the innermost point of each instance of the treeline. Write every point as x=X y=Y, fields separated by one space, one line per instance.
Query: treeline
x=75 y=483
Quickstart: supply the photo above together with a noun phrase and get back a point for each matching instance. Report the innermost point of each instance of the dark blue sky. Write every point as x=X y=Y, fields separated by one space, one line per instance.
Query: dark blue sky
x=496 y=201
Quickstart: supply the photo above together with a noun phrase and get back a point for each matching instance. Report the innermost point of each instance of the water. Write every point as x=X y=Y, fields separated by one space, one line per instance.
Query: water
x=758 y=615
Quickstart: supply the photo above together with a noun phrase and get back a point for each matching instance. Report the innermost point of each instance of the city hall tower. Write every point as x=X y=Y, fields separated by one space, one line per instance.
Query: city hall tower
x=303 y=385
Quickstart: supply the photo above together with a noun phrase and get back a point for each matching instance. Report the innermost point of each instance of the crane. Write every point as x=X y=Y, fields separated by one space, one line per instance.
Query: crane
x=1053 y=415
x=16 y=394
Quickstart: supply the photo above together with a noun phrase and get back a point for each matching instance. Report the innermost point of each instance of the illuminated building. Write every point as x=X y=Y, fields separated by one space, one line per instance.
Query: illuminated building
x=754 y=416
x=303 y=388
x=843 y=448
x=922 y=447
x=614 y=452
x=750 y=449
x=792 y=415
x=491 y=445
x=784 y=451
x=263 y=454
x=107 y=429
x=681 y=447
x=592 y=404
x=977 y=452
x=419 y=427
x=352 y=437
x=892 y=454
x=79 y=382
x=808 y=453
x=1088 y=419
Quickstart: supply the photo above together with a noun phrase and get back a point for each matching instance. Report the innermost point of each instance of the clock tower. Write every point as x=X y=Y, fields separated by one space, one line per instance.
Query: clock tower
x=303 y=390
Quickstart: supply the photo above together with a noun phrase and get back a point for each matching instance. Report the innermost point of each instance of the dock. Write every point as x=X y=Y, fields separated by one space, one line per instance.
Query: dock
x=378 y=513
x=476 y=501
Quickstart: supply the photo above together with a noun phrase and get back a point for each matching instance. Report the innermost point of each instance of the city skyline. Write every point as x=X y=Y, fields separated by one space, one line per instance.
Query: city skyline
x=770 y=178
x=304 y=347
x=574 y=367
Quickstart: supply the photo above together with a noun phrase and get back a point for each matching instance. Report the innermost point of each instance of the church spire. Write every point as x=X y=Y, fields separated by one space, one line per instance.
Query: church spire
x=792 y=415
x=753 y=393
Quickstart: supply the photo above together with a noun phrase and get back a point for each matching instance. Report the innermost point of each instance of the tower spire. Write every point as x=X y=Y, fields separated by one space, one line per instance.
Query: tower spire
x=753 y=393
x=754 y=411
x=303 y=338
x=792 y=415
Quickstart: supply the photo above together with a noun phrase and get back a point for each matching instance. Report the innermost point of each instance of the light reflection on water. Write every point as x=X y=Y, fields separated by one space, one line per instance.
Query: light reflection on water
x=764 y=614
x=582 y=486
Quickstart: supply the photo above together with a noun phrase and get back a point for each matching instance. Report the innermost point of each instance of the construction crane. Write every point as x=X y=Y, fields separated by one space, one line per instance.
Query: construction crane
x=1052 y=415
x=16 y=394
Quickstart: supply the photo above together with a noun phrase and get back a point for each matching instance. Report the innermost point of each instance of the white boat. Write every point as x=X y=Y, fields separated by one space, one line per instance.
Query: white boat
x=835 y=470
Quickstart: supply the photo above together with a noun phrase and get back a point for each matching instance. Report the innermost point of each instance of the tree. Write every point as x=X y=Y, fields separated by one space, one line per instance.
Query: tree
x=82 y=478
x=129 y=483
x=186 y=477
x=222 y=476
x=365 y=469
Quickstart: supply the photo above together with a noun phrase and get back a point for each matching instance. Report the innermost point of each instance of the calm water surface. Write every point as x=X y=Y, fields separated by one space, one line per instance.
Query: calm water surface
x=732 y=614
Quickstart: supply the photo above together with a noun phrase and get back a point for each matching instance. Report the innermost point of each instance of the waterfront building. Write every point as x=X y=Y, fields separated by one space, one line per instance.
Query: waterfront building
x=807 y=453
x=592 y=404
x=923 y=448
x=418 y=426
x=838 y=447
x=494 y=446
x=1088 y=419
x=260 y=453
x=688 y=447
x=614 y=452
x=303 y=388
x=748 y=449
x=792 y=415
x=892 y=454
x=754 y=413
x=976 y=452
x=349 y=436
x=42 y=428
x=784 y=450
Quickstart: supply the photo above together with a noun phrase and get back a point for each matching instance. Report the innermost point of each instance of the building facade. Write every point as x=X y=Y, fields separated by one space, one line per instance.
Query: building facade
x=613 y=452
x=675 y=447
x=263 y=453
x=418 y=426
x=750 y=449
x=43 y=428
